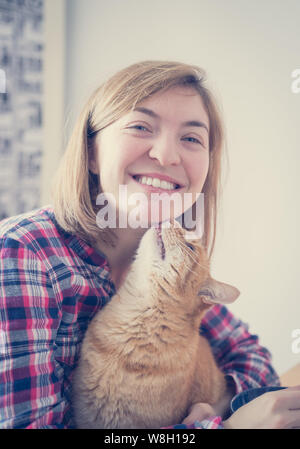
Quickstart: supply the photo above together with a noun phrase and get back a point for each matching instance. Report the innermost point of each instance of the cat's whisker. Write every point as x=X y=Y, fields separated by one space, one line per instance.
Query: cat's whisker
x=183 y=247
x=192 y=256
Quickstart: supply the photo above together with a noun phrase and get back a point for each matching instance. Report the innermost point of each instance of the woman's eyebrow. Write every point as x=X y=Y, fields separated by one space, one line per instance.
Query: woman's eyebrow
x=154 y=115
x=147 y=111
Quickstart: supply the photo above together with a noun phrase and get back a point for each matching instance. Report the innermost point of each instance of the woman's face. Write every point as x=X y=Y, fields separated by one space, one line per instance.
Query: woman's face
x=160 y=147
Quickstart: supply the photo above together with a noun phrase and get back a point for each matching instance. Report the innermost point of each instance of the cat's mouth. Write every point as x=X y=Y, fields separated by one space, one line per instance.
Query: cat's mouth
x=160 y=242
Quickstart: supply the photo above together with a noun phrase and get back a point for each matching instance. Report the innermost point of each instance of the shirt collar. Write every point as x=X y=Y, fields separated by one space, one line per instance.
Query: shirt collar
x=84 y=250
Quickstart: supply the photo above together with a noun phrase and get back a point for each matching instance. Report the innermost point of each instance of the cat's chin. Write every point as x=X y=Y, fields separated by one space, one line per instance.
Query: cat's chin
x=151 y=249
x=160 y=243
x=165 y=231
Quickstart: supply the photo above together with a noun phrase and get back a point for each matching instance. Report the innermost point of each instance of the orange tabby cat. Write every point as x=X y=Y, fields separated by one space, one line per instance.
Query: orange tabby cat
x=143 y=362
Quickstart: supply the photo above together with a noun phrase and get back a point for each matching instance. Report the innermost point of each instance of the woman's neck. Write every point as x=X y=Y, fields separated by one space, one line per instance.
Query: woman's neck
x=121 y=256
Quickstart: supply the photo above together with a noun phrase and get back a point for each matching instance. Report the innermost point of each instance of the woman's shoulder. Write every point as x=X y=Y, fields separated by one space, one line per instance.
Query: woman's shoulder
x=34 y=228
x=39 y=234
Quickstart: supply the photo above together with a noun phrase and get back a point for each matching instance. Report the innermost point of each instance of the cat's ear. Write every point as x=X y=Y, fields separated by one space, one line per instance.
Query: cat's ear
x=215 y=292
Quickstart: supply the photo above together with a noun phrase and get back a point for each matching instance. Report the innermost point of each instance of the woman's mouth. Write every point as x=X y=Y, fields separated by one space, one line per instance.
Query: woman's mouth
x=153 y=183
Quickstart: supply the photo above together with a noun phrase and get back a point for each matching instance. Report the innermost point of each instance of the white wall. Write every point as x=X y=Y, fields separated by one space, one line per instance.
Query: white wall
x=54 y=78
x=249 y=50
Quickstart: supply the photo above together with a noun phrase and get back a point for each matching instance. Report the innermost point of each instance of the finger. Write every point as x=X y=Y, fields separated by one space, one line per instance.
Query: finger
x=294 y=401
x=198 y=413
x=288 y=399
x=293 y=395
x=294 y=419
x=295 y=387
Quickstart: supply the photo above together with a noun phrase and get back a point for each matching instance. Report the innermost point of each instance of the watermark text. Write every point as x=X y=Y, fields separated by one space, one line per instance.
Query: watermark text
x=295 y=86
x=139 y=210
x=296 y=341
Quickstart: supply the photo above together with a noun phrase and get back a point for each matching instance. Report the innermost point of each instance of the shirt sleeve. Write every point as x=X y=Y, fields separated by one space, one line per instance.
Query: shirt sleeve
x=238 y=354
x=30 y=380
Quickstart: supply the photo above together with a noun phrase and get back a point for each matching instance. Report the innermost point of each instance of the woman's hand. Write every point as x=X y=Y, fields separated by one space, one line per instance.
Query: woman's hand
x=198 y=412
x=202 y=410
x=273 y=410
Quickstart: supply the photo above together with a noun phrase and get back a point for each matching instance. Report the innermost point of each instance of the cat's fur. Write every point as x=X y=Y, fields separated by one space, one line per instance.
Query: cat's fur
x=143 y=362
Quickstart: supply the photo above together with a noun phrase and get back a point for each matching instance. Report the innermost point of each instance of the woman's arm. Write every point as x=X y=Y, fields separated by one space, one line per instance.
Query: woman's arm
x=273 y=410
x=245 y=363
x=30 y=380
x=238 y=353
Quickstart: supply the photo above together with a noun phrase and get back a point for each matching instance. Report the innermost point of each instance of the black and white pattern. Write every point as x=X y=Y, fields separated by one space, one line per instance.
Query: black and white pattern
x=21 y=104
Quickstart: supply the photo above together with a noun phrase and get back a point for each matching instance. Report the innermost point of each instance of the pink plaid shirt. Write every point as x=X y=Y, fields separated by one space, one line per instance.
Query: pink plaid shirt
x=51 y=285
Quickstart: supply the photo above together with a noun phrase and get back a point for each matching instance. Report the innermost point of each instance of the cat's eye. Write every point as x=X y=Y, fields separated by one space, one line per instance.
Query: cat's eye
x=190 y=246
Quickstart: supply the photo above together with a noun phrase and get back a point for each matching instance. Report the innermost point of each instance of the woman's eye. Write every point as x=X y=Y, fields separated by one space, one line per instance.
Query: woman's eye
x=193 y=140
x=139 y=127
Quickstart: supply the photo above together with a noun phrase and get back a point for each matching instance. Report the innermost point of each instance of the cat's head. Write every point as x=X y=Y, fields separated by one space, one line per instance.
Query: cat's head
x=181 y=266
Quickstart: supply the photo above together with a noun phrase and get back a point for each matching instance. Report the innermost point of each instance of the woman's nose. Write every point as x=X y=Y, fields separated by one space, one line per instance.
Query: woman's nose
x=165 y=151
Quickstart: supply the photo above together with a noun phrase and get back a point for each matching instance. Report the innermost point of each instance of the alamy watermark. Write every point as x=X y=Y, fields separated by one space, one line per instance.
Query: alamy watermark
x=295 y=86
x=296 y=341
x=141 y=210
x=2 y=82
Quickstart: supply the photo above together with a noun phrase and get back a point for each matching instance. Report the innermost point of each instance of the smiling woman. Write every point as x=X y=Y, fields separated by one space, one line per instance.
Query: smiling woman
x=143 y=111
x=160 y=152
x=153 y=127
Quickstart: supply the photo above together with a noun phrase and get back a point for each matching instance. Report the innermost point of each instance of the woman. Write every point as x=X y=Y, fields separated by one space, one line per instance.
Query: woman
x=58 y=267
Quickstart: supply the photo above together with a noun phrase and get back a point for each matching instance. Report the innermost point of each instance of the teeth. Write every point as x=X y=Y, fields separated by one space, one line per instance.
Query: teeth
x=155 y=182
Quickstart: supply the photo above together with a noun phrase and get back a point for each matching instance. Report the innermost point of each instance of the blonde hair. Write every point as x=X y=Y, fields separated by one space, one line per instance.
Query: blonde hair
x=75 y=188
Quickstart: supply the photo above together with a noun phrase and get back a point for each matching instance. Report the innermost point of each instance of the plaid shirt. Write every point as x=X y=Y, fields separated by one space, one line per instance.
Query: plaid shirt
x=51 y=285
